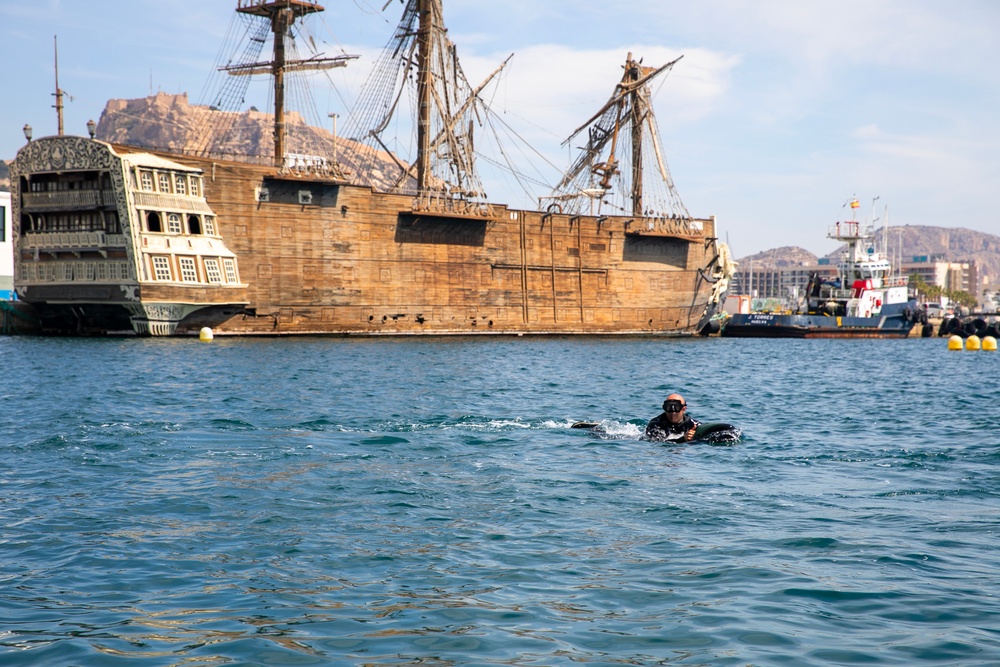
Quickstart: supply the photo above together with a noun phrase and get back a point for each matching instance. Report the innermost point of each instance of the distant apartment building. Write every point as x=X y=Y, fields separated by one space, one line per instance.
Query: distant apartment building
x=768 y=282
x=962 y=276
x=6 y=249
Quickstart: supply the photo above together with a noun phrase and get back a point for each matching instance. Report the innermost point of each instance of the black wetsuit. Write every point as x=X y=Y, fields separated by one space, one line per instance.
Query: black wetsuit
x=661 y=429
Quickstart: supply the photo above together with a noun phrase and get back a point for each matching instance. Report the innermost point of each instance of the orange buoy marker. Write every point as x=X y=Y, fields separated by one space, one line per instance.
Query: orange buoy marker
x=990 y=344
x=206 y=335
x=972 y=343
x=955 y=343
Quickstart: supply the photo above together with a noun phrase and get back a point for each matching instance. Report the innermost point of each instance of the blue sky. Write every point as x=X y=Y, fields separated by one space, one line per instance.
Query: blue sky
x=780 y=111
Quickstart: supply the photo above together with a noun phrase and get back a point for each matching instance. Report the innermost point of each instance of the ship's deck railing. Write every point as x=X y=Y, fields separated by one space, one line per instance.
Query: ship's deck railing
x=251 y=4
x=180 y=203
x=31 y=273
x=839 y=293
x=69 y=199
x=850 y=230
x=446 y=206
x=676 y=227
x=71 y=240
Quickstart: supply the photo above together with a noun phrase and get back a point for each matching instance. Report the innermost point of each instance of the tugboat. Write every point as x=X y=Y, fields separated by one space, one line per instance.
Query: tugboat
x=863 y=301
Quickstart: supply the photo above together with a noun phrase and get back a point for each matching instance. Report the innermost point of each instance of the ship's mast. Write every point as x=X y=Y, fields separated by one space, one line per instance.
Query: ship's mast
x=638 y=116
x=445 y=108
x=281 y=21
x=630 y=105
x=58 y=106
x=282 y=14
x=425 y=26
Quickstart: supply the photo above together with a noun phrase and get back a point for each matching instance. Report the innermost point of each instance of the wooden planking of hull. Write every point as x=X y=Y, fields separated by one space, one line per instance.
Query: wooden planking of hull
x=319 y=256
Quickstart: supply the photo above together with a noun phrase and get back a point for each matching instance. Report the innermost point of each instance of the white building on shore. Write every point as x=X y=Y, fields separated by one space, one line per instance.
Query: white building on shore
x=784 y=282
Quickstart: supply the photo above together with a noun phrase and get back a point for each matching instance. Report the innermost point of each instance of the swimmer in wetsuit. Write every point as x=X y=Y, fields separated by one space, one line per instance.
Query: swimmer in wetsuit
x=672 y=424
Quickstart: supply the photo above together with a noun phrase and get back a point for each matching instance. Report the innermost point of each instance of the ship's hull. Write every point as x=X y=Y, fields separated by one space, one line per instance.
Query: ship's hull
x=323 y=257
x=768 y=325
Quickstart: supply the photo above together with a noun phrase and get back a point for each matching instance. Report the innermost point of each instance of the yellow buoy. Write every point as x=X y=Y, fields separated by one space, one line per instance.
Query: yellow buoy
x=955 y=343
x=205 y=335
x=990 y=344
x=972 y=343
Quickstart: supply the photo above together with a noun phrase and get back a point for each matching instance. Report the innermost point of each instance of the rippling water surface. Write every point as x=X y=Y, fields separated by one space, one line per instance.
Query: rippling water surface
x=405 y=502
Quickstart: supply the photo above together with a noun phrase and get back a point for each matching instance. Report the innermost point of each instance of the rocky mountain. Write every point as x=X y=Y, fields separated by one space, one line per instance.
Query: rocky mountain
x=780 y=258
x=4 y=176
x=170 y=123
x=950 y=244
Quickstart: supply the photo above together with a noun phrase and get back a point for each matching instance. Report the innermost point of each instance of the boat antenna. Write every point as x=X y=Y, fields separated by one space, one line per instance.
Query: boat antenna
x=58 y=106
x=885 y=236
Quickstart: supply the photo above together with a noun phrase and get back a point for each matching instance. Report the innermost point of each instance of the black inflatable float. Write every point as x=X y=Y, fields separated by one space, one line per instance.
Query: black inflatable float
x=711 y=432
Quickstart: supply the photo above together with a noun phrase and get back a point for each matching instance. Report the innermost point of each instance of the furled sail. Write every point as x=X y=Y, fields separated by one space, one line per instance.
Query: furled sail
x=257 y=19
x=446 y=110
x=621 y=169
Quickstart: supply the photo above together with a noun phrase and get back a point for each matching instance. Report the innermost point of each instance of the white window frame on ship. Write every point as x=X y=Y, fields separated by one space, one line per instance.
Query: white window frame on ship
x=174 y=223
x=212 y=271
x=189 y=271
x=180 y=184
x=208 y=228
x=231 y=275
x=161 y=268
x=146 y=180
x=163 y=180
x=195 y=189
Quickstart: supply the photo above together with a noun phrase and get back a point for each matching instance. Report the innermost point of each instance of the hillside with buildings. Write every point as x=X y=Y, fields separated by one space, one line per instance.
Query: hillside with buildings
x=953 y=258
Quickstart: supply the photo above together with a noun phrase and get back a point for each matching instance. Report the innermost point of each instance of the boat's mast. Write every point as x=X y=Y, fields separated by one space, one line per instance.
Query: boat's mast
x=637 y=119
x=281 y=21
x=424 y=36
x=282 y=14
x=59 y=93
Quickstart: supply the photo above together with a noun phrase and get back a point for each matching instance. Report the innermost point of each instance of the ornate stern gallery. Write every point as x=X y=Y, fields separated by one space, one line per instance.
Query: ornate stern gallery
x=116 y=242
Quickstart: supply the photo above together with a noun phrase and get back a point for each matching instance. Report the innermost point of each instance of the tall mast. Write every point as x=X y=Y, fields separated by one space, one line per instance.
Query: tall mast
x=58 y=106
x=282 y=14
x=638 y=113
x=281 y=21
x=425 y=26
x=627 y=116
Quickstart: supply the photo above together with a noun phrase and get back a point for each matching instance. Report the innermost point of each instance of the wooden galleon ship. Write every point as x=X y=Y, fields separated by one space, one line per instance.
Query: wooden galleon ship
x=116 y=238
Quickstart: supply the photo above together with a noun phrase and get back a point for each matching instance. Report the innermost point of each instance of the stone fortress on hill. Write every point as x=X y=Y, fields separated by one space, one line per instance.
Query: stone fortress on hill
x=166 y=122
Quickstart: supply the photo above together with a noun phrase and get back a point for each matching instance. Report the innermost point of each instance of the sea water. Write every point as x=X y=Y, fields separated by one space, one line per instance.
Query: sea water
x=425 y=502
